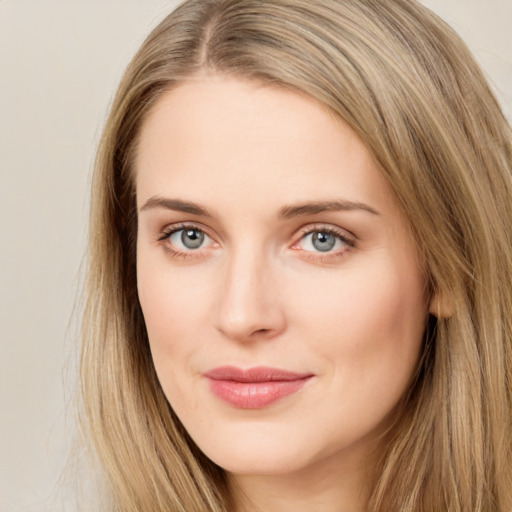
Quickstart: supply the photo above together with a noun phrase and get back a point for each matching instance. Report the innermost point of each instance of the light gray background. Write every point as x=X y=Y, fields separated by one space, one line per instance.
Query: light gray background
x=60 y=62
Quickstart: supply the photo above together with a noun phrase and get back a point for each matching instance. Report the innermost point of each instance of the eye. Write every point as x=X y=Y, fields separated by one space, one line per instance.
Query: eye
x=321 y=241
x=188 y=238
x=325 y=241
x=184 y=239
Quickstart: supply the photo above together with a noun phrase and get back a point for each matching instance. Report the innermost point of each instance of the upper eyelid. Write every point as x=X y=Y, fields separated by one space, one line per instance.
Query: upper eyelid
x=173 y=228
x=329 y=228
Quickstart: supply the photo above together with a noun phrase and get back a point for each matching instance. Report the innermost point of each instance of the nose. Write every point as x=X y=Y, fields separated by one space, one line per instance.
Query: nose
x=250 y=306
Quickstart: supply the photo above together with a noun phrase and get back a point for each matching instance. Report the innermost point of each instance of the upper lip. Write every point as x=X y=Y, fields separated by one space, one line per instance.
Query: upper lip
x=256 y=374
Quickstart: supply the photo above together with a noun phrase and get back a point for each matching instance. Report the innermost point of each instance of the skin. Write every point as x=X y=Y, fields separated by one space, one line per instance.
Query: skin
x=258 y=292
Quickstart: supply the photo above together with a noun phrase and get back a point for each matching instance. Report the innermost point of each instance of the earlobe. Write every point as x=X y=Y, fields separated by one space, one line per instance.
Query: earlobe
x=441 y=305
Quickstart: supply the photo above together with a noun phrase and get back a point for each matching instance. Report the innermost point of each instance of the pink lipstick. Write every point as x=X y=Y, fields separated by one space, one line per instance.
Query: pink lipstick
x=254 y=388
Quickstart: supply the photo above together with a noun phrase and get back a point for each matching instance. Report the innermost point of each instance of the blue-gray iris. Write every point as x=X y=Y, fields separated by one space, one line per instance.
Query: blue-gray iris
x=323 y=241
x=192 y=238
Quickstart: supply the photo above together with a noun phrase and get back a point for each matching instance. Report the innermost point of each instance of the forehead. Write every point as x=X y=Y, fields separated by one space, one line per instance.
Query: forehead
x=219 y=137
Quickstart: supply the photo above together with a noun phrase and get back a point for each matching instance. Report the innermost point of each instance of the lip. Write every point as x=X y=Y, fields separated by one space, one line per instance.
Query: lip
x=254 y=388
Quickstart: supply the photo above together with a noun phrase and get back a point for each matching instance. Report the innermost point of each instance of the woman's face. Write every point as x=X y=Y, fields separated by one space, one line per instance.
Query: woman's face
x=282 y=293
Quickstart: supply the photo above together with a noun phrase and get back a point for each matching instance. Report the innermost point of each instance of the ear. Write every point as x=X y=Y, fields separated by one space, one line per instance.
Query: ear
x=441 y=305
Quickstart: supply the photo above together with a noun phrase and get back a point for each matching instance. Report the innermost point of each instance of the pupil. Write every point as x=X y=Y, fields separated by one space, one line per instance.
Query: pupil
x=323 y=241
x=192 y=238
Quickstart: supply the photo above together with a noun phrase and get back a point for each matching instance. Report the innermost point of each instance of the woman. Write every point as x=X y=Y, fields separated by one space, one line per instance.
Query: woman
x=300 y=263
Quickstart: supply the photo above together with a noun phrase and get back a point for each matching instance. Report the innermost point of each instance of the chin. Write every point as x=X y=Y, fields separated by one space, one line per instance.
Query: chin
x=254 y=462
x=258 y=450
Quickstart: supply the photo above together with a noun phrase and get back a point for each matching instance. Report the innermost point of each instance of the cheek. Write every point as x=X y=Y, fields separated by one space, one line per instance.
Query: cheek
x=370 y=329
x=170 y=323
x=173 y=308
x=380 y=300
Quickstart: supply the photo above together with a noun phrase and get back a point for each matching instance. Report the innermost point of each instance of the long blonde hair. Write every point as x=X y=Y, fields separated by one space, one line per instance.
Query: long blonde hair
x=408 y=86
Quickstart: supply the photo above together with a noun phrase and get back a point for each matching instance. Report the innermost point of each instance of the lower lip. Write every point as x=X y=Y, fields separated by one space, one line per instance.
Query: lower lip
x=254 y=395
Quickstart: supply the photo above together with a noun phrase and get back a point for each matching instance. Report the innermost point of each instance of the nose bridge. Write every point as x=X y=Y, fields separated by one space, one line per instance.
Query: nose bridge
x=249 y=303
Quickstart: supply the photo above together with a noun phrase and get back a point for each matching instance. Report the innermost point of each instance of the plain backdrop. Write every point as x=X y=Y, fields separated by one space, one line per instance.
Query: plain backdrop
x=60 y=62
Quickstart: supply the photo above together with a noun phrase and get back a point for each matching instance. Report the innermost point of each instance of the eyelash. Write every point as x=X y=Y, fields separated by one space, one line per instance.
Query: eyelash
x=348 y=241
x=168 y=232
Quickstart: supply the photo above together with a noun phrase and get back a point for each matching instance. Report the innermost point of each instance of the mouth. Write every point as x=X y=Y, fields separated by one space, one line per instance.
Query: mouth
x=254 y=388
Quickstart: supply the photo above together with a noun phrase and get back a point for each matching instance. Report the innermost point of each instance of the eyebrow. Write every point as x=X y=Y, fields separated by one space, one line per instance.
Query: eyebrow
x=286 y=212
x=324 y=206
x=176 y=205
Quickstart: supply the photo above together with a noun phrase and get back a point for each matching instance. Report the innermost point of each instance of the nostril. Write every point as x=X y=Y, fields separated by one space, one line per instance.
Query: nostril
x=261 y=331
